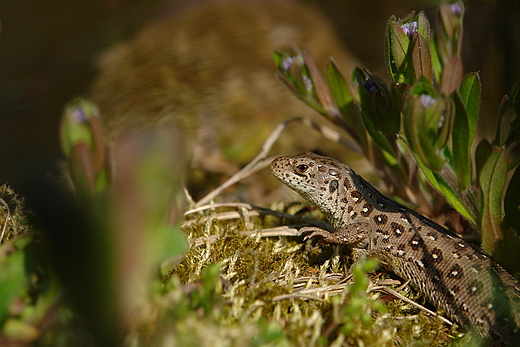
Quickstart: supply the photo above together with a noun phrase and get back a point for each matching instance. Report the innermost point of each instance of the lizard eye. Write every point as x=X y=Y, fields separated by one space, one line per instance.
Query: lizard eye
x=302 y=167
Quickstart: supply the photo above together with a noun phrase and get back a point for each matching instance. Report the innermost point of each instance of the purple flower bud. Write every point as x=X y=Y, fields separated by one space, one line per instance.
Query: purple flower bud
x=427 y=100
x=287 y=62
x=370 y=85
x=456 y=9
x=409 y=28
x=79 y=115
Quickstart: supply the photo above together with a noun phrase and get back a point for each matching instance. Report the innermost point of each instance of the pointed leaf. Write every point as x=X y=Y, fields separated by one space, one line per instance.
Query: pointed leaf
x=461 y=144
x=492 y=182
x=399 y=94
x=338 y=86
x=451 y=75
x=421 y=58
x=437 y=62
x=502 y=126
x=399 y=61
x=470 y=93
x=321 y=88
x=438 y=181
x=74 y=127
x=363 y=93
x=423 y=26
x=415 y=131
x=446 y=112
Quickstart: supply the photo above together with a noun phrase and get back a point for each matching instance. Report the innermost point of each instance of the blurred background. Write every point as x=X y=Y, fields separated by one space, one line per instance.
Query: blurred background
x=48 y=52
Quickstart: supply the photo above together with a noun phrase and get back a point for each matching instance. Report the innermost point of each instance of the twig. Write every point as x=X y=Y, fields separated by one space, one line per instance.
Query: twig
x=253 y=211
x=260 y=161
x=4 y=228
x=411 y=302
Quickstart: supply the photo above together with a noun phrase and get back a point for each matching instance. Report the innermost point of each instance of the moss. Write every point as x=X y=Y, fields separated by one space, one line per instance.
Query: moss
x=280 y=287
x=237 y=290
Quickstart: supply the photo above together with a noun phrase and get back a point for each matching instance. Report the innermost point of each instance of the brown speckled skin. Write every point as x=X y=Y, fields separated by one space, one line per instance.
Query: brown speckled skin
x=456 y=278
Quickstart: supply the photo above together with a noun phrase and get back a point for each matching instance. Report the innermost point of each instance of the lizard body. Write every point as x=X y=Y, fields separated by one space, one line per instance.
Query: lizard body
x=456 y=278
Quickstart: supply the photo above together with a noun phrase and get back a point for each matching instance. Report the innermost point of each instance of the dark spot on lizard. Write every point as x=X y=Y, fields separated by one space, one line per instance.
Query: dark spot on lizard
x=335 y=173
x=401 y=250
x=346 y=184
x=333 y=186
x=416 y=242
x=356 y=196
x=405 y=217
x=367 y=210
x=432 y=271
x=455 y=271
x=397 y=229
x=381 y=219
x=436 y=255
x=431 y=235
x=386 y=235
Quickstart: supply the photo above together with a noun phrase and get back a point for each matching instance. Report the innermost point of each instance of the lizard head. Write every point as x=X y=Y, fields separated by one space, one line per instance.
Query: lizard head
x=316 y=178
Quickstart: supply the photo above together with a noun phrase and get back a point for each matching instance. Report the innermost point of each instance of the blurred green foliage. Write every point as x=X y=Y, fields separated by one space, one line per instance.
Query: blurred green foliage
x=120 y=269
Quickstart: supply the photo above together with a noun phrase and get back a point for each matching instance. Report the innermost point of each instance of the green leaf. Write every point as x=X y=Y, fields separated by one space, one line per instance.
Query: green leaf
x=492 y=183
x=423 y=26
x=453 y=197
x=398 y=60
x=321 y=89
x=74 y=127
x=470 y=93
x=439 y=182
x=512 y=202
x=338 y=86
x=399 y=93
x=369 y=103
x=278 y=58
x=421 y=132
x=421 y=57
x=461 y=142
x=12 y=277
x=440 y=118
x=501 y=132
x=482 y=154
x=451 y=20
x=294 y=74
x=83 y=143
x=359 y=92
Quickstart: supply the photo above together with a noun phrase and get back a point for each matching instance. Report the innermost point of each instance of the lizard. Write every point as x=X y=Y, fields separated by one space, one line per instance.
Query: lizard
x=458 y=279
